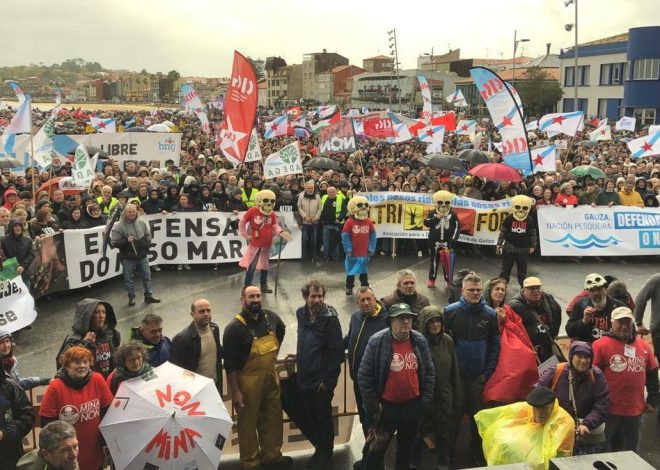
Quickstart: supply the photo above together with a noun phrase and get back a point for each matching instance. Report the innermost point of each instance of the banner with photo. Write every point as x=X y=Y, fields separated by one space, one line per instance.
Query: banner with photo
x=599 y=231
x=337 y=138
x=126 y=146
x=74 y=259
x=401 y=215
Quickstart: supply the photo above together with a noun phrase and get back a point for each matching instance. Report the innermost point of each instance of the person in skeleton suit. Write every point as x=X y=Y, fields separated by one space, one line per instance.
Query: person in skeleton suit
x=359 y=241
x=517 y=238
x=258 y=226
x=444 y=230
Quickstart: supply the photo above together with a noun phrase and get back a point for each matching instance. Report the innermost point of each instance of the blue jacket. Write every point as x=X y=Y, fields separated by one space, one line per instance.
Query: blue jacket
x=360 y=329
x=375 y=367
x=320 y=349
x=476 y=336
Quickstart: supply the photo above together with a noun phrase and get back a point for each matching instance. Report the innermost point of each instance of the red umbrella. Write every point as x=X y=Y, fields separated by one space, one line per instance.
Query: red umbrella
x=496 y=172
x=53 y=184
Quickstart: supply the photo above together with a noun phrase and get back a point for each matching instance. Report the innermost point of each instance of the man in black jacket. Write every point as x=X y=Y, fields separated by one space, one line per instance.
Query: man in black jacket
x=541 y=315
x=15 y=421
x=17 y=245
x=319 y=354
x=197 y=348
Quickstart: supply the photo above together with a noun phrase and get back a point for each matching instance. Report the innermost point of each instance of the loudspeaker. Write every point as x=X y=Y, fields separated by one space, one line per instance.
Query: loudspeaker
x=604 y=461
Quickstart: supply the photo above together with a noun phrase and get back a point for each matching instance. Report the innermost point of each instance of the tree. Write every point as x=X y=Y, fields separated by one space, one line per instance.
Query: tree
x=258 y=66
x=539 y=93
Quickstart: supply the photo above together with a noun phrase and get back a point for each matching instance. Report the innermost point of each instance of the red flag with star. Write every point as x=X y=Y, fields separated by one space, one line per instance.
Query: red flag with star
x=240 y=109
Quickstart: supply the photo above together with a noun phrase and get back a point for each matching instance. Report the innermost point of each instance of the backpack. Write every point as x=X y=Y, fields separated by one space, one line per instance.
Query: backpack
x=560 y=368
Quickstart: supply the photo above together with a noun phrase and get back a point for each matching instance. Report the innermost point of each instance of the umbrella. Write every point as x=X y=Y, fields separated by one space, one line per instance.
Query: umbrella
x=322 y=163
x=588 y=170
x=159 y=128
x=587 y=143
x=9 y=162
x=53 y=184
x=442 y=161
x=170 y=419
x=496 y=172
x=473 y=156
x=169 y=123
x=448 y=259
x=137 y=129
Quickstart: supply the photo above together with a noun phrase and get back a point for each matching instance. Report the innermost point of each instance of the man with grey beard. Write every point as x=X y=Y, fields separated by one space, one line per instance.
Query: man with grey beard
x=591 y=317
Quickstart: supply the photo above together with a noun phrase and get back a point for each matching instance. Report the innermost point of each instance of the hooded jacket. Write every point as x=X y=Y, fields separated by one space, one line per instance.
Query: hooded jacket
x=360 y=329
x=446 y=395
x=592 y=396
x=107 y=340
x=16 y=421
x=476 y=335
x=153 y=206
x=94 y=221
x=375 y=367
x=18 y=246
x=320 y=348
x=139 y=248
x=158 y=353
x=172 y=197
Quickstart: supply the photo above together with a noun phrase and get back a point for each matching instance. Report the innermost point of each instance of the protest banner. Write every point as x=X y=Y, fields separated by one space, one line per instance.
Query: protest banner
x=126 y=146
x=401 y=215
x=183 y=238
x=599 y=231
x=16 y=304
x=287 y=161
x=338 y=137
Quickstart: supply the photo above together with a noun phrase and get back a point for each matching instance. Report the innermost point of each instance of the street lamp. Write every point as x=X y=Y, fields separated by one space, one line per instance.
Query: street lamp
x=568 y=28
x=515 y=48
x=426 y=54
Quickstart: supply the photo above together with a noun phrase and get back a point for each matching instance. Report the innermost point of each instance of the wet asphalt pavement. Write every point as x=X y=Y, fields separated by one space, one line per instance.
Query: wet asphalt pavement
x=562 y=277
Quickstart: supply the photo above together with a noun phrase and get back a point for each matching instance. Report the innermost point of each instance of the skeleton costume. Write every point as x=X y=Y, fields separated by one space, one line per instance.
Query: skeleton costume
x=517 y=238
x=259 y=225
x=359 y=239
x=444 y=230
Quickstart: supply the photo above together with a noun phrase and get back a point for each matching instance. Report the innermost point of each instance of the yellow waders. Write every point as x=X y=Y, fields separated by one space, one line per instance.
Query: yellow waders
x=259 y=423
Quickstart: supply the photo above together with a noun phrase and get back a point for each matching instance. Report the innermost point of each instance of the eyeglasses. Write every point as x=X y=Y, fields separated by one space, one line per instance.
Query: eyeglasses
x=523 y=208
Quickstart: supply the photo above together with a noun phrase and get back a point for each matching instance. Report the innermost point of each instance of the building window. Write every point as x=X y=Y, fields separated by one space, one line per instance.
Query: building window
x=645 y=116
x=646 y=69
x=605 y=70
x=602 y=108
x=613 y=74
x=568 y=76
x=583 y=75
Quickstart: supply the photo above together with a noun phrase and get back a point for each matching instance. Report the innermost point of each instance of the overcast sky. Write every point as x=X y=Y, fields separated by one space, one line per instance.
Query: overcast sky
x=197 y=37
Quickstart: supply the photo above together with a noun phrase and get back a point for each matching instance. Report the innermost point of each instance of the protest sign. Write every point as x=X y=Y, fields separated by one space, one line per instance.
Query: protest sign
x=599 y=231
x=401 y=215
x=285 y=162
x=16 y=305
x=338 y=137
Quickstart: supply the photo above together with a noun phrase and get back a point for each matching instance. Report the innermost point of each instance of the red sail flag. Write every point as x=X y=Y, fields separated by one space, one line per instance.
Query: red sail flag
x=448 y=120
x=377 y=127
x=240 y=109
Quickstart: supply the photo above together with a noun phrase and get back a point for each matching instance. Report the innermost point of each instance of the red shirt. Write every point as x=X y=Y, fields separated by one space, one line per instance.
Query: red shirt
x=566 y=200
x=260 y=226
x=81 y=409
x=625 y=367
x=359 y=231
x=402 y=382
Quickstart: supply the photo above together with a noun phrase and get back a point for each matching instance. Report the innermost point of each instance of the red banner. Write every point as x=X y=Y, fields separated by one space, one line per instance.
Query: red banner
x=240 y=109
x=378 y=127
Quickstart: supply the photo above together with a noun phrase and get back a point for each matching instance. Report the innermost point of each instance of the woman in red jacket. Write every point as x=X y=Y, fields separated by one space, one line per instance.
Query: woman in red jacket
x=566 y=196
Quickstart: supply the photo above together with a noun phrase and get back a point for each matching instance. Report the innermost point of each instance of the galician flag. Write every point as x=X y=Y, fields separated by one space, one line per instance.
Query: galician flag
x=21 y=123
x=457 y=99
x=654 y=129
x=562 y=123
x=194 y=104
x=17 y=91
x=277 y=127
x=401 y=131
x=532 y=125
x=466 y=127
x=645 y=146
x=104 y=125
x=434 y=136
x=625 y=124
x=602 y=133
x=544 y=159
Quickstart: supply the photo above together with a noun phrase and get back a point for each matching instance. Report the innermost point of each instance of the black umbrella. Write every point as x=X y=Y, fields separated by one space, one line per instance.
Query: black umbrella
x=322 y=163
x=136 y=129
x=473 y=156
x=587 y=143
x=442 y=161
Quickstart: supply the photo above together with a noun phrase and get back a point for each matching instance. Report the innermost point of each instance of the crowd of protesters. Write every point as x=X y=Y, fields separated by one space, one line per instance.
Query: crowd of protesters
x=418 y=368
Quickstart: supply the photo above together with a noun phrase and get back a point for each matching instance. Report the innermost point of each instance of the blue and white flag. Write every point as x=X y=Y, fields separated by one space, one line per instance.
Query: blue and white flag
x=532 y=125
x=58 y=96
x=654 y=129
x=646 y=146
x=457 y=99
x=626 y=123
x=103 y=125
x=21 y=123
x=276 y=127
x=562 y=123
x=400 y=126
x=427 y=107
x=129 y=123
x=466 y=127
x=545 y=159
x=602 y=133
x=17 y=91
x=434 y=136
x=194 y=104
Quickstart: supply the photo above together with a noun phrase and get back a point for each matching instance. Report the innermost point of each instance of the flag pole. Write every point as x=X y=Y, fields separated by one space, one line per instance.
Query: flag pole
x=34 y=187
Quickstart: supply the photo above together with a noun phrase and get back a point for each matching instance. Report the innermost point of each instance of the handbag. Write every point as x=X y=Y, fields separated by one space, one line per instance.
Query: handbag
x=596 y=436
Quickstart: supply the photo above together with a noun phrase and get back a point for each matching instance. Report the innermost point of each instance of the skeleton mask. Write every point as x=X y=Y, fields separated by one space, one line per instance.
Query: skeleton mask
x=358 y=207
x=521 y=206
x=265 y=201
x=442 y=201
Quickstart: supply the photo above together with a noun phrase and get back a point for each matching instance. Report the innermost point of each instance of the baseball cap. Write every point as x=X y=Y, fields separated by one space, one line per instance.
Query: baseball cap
x=594 y=280
x=397 y=310
x=532 y=282
x=620 y=313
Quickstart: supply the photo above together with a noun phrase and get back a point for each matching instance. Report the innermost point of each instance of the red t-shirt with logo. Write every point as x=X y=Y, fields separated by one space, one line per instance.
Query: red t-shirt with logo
x=402 y=382
x=359 y=231
x=625 y=367
x=81 y=409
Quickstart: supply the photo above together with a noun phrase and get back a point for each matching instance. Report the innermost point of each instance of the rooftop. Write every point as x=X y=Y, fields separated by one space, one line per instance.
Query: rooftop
x=609 y=40
x=379 y=57
x=521 y=74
